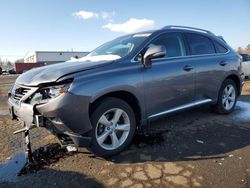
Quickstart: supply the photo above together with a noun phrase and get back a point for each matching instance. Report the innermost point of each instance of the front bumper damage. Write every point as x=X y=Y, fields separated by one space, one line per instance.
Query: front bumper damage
x=62 y=116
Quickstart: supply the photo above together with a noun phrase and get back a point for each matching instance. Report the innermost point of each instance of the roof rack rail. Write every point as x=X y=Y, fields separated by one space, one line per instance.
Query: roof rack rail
x=188 y=28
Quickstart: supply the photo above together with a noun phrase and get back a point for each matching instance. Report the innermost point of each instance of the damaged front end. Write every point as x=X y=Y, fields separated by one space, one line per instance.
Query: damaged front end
x=53 y=107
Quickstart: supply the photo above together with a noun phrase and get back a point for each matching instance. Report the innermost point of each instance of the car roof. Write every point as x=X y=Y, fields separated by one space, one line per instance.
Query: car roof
x=178 y=28
x=186 y=28
x=175 y=28
x=193 y=30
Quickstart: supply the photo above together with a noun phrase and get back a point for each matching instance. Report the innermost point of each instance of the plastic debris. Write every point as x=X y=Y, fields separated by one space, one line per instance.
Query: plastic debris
x=71 y=149
x=200 y=141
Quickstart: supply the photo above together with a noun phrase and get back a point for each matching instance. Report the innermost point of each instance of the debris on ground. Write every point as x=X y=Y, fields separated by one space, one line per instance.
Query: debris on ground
x=45 y=156
x=71 y=149
x=200 y=141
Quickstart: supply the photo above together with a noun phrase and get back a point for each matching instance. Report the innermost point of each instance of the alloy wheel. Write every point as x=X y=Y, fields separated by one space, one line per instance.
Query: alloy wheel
x=229 y=97
x=112 y=129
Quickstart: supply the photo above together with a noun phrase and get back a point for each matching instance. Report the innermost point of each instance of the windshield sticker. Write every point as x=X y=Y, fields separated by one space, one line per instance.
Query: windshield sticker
x=142 y=35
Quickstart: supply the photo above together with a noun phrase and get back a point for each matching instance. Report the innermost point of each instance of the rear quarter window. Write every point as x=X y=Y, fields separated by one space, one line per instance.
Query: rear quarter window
x=199 y=45
x=220 y=48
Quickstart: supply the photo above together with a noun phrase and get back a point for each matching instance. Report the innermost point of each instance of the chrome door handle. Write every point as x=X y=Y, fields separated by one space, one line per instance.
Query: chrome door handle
x=223 y=63
x=187 y=68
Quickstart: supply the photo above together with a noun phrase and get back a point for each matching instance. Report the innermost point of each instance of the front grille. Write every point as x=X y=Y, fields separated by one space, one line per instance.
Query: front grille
x=19 y=92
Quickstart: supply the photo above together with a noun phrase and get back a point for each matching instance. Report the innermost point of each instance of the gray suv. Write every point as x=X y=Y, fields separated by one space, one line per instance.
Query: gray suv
x=101 y=100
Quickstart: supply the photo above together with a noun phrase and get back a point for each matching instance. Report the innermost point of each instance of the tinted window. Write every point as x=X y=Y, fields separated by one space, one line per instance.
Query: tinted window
x=173 y=43
x=199 y=44
x=220 y=48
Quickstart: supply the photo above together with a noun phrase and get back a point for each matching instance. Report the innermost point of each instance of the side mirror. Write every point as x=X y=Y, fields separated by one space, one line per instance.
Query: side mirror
x=153 y=53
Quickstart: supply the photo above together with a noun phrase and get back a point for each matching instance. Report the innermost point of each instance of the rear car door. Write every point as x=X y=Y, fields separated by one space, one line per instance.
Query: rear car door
x=210 y=60
x=169 y=83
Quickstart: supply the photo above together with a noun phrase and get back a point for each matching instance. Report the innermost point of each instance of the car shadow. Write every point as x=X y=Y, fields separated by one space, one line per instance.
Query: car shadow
x=54 y=178
x=195 y=134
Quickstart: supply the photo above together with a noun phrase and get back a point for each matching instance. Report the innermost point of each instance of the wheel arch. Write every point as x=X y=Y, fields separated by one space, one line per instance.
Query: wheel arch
x=236 y=80
x=127 y=96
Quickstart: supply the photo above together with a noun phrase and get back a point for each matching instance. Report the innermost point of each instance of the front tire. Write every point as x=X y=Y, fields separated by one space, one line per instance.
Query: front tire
x=227 y=97
x=114 y=124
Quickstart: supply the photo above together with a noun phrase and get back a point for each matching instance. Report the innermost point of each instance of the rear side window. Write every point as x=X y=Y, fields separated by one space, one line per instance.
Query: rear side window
x=220 y=48
x=173 y=43
x=199 y=45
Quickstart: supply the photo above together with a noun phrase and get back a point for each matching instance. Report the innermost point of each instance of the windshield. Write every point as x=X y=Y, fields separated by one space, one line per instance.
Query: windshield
x=121 y=46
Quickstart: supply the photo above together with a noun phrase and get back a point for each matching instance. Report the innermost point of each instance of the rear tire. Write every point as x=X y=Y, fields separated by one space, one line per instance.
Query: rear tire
x=113 y=122
x=227 y=97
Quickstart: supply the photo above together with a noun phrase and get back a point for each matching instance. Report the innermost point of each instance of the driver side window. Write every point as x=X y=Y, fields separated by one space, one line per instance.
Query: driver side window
x=173 y=42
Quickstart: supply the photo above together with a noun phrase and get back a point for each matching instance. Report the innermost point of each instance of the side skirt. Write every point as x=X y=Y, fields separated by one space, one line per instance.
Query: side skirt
x=196 y=103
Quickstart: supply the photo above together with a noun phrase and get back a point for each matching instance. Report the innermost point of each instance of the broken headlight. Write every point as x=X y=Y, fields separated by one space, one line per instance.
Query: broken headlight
x=43 y=95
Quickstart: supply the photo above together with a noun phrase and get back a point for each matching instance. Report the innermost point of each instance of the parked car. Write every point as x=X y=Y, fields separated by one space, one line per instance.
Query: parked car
x=101 y=100
x=12 y=71
x=246 y=65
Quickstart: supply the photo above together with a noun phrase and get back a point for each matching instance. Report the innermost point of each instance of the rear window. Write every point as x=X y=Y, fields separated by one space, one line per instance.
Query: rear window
x=199 y=45
x=220 y=48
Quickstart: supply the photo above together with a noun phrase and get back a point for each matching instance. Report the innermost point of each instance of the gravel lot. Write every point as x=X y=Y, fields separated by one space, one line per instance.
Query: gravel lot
x=195 y=148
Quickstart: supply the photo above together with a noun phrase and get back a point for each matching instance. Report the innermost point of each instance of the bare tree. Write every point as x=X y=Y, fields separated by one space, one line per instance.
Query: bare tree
x=240 y=50
x=19 y=61
x=245 y=50
x=248 y=49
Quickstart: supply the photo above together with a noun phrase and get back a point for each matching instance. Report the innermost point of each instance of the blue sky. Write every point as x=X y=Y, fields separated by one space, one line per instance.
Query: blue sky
x=84 y=24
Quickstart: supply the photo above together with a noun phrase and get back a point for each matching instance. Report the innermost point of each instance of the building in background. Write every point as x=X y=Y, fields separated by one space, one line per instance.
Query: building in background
x=35 y=59
x=51 y=57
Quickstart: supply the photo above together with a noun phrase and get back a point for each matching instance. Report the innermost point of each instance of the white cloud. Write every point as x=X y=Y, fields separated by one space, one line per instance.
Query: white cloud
x=130 y=26
x=107 y=15
x=85 y=15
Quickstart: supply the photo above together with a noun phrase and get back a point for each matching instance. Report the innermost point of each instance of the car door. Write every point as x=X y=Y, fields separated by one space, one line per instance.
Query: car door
x=169 y=83
x=210 y=65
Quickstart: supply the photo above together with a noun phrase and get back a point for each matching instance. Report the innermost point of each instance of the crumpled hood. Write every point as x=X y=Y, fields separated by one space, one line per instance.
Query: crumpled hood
x=52 y=73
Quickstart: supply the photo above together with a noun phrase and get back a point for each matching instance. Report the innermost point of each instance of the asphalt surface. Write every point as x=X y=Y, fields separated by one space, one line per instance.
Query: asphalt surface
x=194 y=148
